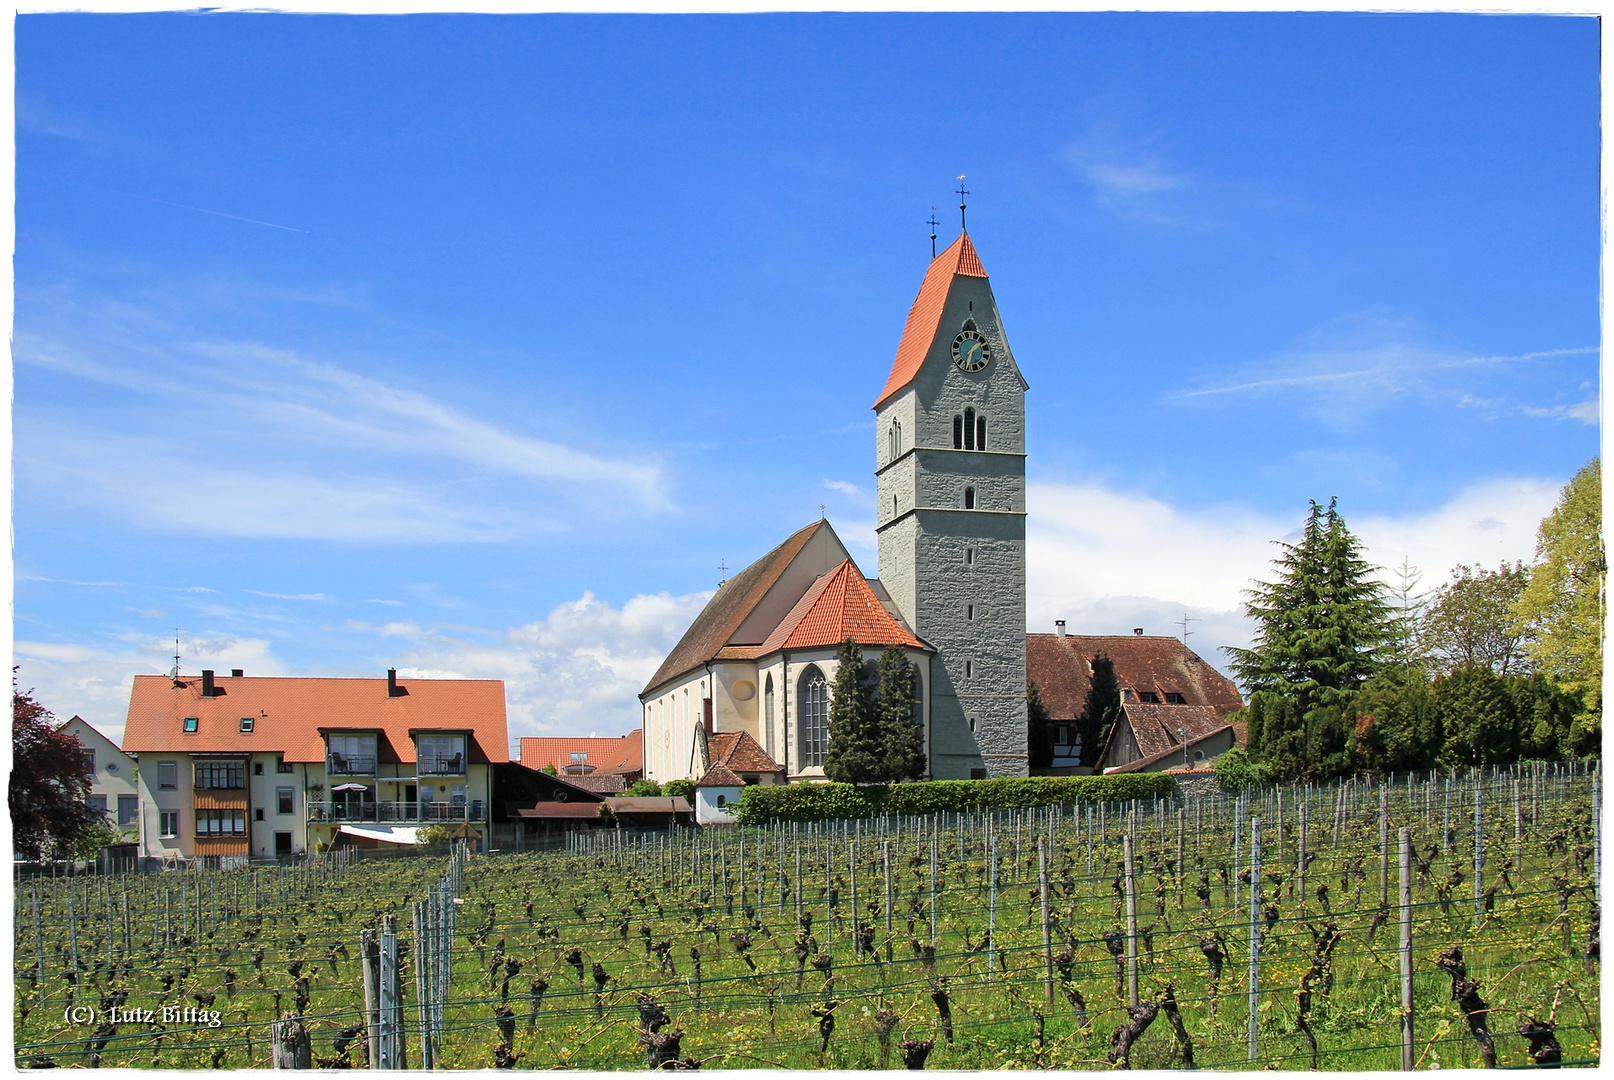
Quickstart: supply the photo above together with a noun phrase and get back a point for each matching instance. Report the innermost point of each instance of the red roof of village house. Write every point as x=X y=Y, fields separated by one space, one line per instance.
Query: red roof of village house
x=926 y=313
x=289 y=713
x=617 y=754
x=741 y=753
x=1164 y=665
x=839 y=605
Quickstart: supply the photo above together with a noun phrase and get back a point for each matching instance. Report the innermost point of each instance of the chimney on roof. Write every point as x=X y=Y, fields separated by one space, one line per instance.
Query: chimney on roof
x=207 y=682
x=1138 y=631
x=1059 y=627
x=392 y=682
x=238 y=673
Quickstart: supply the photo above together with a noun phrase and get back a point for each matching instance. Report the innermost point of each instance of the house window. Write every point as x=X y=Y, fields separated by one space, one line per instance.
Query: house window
x=1176 y=699
x=283 y=799
x=284 y=766
x=221 y=822
x=814 y=715
x=1199 y=755
x=767 y=716
x=969 y=669
x=969 y=556
x=90 y=754
x=1148 y=697
x=1061 y=735
x=221 y=774
x=257 y=768
x=722 y=800
x=168 y=776
x=977 y=774
x=97 y=805
x=128 y=809
x=969 y=498
x=190 y=725
x=169 y=824
x=246 y=725
x=971 y=720
x=969 y=612
x=257 y=813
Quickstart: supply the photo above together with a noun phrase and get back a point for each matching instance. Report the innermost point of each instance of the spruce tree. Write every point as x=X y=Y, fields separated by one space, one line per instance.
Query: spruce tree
x=1099 y=710
x=902 y=750
x=854 y=751
x=1039 y=729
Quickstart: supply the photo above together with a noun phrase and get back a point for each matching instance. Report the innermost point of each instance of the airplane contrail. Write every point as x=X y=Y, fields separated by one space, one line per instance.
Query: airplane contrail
x=222 y=214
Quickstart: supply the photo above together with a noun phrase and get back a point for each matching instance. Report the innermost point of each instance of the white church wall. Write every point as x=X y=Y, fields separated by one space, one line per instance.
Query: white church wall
x=822 y=553
x=736 y=698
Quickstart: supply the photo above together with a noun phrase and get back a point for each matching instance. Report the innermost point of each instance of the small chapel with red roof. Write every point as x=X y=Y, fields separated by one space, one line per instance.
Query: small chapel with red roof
x=758 y=664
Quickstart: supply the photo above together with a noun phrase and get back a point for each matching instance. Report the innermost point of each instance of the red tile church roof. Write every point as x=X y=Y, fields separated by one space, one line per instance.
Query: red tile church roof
x=839 y=605
x=925 y=315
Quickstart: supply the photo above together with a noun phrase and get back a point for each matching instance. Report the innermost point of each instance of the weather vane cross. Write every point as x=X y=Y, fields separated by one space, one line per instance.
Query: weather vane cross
x=961 y=193
x=821 y=510
x=933 y=223
x=723 y=569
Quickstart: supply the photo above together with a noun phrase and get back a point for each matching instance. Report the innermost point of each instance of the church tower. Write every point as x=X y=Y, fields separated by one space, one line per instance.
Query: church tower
x=951 y=514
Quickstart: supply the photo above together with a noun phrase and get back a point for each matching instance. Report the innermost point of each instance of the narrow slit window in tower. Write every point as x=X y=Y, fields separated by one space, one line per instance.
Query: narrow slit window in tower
x=958 y=432
x=969 y=429
x=980 y=433
x=969 y=498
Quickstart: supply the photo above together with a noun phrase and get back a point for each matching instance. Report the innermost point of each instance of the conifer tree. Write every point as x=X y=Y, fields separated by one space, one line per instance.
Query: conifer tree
x=854 y=751
x=902 y=740
x=1323 y=626
x=1039 y=729
x=1099 y=710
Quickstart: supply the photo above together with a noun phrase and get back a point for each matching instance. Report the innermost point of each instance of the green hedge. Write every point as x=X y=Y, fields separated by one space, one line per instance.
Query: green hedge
x=761 y=804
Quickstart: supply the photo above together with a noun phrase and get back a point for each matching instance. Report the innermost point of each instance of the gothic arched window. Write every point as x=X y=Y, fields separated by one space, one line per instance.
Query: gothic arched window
x=969 y=498
x=958 y=432
x=969 y=429
x=813 y=712
x=767 y=715
x=980 y=433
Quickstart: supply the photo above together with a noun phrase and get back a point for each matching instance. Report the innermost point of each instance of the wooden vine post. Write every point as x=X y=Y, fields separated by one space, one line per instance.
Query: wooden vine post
x=1047 y=934
x=1255 y=927
x=1131 y=924
x=1406 y=950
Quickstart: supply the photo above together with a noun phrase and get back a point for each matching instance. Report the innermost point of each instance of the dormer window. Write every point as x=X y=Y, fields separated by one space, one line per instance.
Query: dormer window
x=443 y=755
x=1148 y=697
x=350 y=755
x=1176 y=699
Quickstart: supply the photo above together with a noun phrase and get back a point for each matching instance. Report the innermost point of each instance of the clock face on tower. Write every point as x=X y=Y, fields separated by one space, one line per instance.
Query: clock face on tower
x=970 y=351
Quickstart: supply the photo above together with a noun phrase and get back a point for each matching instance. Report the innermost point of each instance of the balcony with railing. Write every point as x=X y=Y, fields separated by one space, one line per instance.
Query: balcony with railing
x=441 y=765
x=350 y=764
x=429 y=812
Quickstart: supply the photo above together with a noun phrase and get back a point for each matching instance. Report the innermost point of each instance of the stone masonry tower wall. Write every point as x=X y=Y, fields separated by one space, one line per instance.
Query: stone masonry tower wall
x=951 y=517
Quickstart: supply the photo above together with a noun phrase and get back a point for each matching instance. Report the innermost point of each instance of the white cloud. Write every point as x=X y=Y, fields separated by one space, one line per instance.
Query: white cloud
x=1108 y=561
x=578 y=669
x=94 y=681
x=289 y=596
x=1128 y=175
x=850 y=490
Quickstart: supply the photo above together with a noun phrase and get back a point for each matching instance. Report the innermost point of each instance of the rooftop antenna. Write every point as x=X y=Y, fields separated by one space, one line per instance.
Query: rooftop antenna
x=961 y=193
x=1183 y=622
x=175 y=674
x=933 y=223
x=723 y=569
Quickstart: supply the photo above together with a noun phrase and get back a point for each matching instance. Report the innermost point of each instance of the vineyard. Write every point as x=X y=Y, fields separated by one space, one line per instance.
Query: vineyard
x=1073 y=937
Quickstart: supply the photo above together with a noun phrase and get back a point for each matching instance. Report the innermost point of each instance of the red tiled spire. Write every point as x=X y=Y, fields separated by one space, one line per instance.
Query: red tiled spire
x=926 y=313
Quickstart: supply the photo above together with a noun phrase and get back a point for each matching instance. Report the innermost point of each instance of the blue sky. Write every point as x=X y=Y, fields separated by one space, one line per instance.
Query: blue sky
x=474 y=344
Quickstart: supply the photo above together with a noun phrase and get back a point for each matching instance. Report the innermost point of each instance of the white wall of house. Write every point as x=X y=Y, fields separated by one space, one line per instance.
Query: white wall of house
x=715 y=805
x=112 y=778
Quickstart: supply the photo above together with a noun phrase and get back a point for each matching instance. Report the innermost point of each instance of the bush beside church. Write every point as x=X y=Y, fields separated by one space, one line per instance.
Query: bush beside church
x=764 y=804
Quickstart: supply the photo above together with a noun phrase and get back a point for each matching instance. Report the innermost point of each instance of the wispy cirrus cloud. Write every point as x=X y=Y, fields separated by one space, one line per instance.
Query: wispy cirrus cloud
x=1129 y=175
x=235 y=437
x=1369 y=361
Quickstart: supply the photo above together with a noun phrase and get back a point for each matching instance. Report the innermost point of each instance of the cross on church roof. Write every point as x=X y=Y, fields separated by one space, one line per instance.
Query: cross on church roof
x=723 y=568
x=821 y=510
x=961 y=193
x=933 y=223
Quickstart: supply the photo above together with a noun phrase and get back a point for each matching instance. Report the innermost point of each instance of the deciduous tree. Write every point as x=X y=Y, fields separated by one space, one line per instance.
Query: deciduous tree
x=1470 y=620
x=1562 y=608
x=50 y=782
